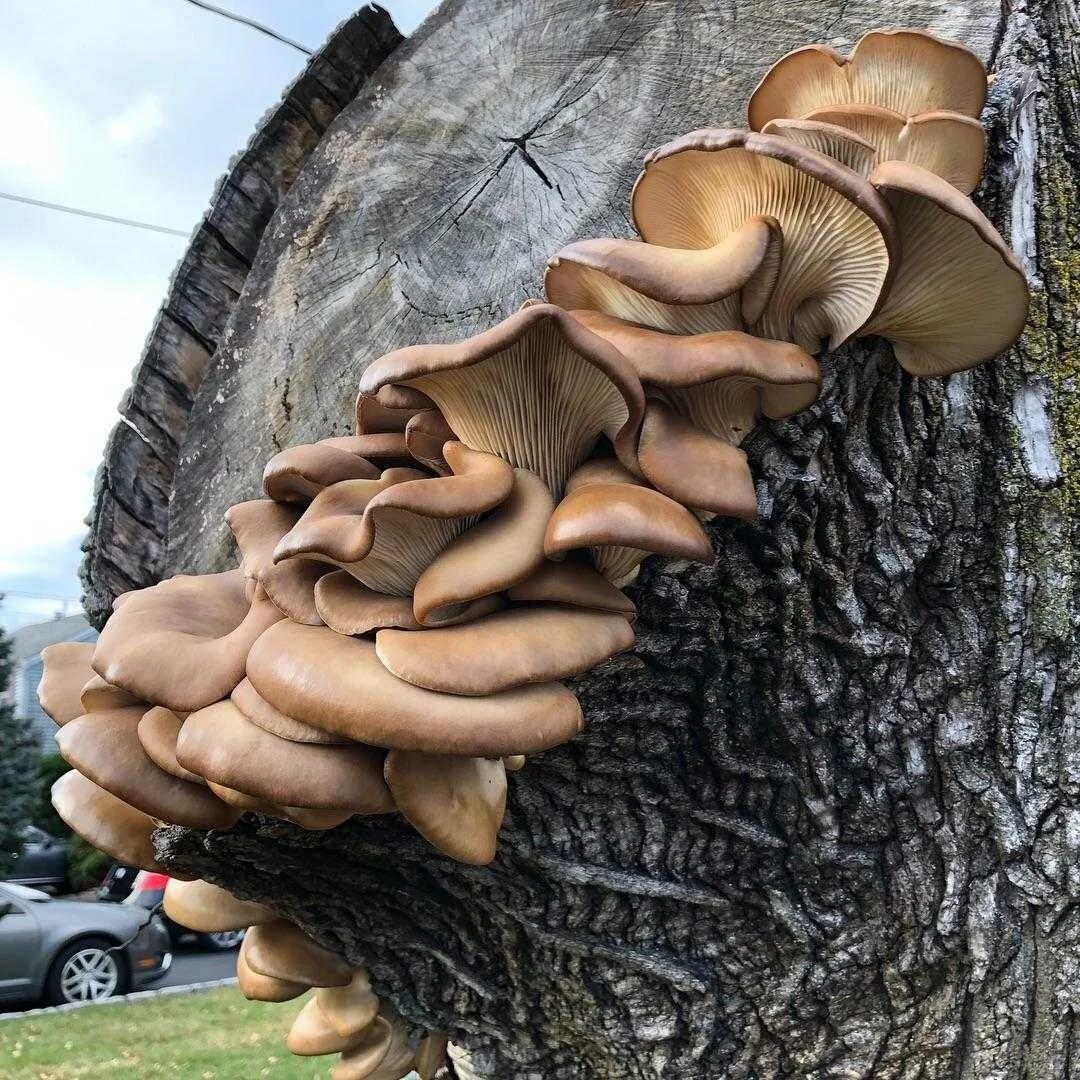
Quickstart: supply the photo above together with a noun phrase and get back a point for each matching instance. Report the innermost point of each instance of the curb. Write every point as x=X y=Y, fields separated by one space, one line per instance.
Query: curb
x=121 y=999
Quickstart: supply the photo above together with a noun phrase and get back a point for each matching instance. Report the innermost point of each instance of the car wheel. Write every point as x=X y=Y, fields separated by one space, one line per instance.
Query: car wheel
x=86 y=970
x=223 y=940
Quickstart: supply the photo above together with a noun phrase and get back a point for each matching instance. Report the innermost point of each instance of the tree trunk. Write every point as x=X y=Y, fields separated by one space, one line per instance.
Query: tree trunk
x=824 y=820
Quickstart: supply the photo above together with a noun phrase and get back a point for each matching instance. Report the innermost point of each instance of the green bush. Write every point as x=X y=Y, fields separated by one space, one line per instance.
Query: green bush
x=18 y=770
x=86 y=865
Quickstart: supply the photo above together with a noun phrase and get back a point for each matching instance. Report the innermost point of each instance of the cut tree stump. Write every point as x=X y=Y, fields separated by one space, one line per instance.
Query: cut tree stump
x=824 y=820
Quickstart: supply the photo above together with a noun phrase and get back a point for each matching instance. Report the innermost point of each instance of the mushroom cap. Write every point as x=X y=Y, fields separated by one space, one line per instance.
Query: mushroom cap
x=257 y=987
x=209 y=909
x=539 y=362
x=840 y=143
x=384 y=1053
x=425 y=434
x=679 y=289
x=575 y=583
x=282 y=950
x=262 y=714
x=97 y=694
x=349 y=1009
x=65 y=671
x=299 y=473
x=431 y=1055
x=222 y=744
x=488 y=558
x=105 y=747
x=339 y=684
x=106 y=822
x=693 y=467
x=455 y=803
x=312 y=1035
x=720 y=381
x=258 y=526
x=248 y=804
x=386 y=449
x=504 y=650
x=182 y=643
x=374 y=416
x=946 y=143
x=837 y=258
x=158 y=730
x=907 y=71
x=960 y=296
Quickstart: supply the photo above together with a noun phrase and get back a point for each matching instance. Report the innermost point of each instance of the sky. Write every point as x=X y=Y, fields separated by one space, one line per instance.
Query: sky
x=125 y=107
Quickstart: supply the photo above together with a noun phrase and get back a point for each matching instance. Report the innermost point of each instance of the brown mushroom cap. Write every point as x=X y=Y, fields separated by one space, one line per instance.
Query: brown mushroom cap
x=839 y=242
x=489 y=557
x=384 y=1054
x=220 y=743
x=960 y=297
x=348 y=606
x=504 y=650
x=375 y=417
x=538 y=362
x=262 y=714
x=946 y=143
x=455 y=803
x=105 y=747
x=846 y=146
x=248 y=804
x=209 y=909
x=97 y=694
x=693 y=467
x=907 y=71
x=106 y=822
x=312 y=1035
x=425 y=435
x=386 y=449
x=682 y=290
x=282 y=950
x=257 y=987
x=158 y=730
x=65 y=671
x=575 y=583
x=431 y=1055
x=339 y=684
x=182 y=643
x=349 y=1009
x=299 y=473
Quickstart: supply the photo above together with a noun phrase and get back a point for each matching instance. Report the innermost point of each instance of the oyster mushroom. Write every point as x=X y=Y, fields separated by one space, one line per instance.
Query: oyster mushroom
x=339 y=684
x=575 y=583
x=839 y=242
x=377 y=415
x=384 y=1053
x=210 y=909
x=349 y=1009
x=455 y=803
x=298 y=473
x=220 y=743
x=840 y=143
x=425 y=435
x=281 y=950
x=907 y=71
x=158 y=731
x=960 y=296
x=182 y=643
x=685 y=290
x=97 y=694
x=258 y=987
x=312 y=1034
x=537 y=390
x=262 y=714
x=65 y=671
x=508 y=649
x=431 y=1055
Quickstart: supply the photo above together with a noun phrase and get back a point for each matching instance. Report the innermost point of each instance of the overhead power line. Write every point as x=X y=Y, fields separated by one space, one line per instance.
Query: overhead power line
x=245 y=21
x=92 y=214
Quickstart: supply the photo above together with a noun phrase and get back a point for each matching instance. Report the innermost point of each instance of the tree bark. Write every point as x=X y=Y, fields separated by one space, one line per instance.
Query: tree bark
x=824 y=820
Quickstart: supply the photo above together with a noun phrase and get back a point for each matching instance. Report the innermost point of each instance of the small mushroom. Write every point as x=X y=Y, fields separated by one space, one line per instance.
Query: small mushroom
x=65 y=671
x=105 y=747
x=261 y=713
x=425 y=435
x=298 y=473
x=386 y=449
x=455 y=803
x=258 y=987
x=158 y=730
x=431 y=1055
x=960 y=297
x=839 y=143
x=493 y=388
x=339 y=684
x=97 y=694
x=907 y=71
x=490 y=557
x=384 y=1054
x=248 y=804
x=839 y=243
x=505 y=650
x=679 y=289
x=106 y=822
x=375 y=416
x=572 y=581
x=312 y=1035
x=220 y=743
x=282 y=950
x=182 y=643
x=210 y=909
x=350 y=607
x=349 y=1009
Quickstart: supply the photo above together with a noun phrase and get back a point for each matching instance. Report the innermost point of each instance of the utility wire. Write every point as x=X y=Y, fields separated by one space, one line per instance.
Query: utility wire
x=245 y=21
x=92 y=214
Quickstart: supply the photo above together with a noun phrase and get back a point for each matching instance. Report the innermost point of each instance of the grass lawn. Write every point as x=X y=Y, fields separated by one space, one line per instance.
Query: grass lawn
x=212 y=1036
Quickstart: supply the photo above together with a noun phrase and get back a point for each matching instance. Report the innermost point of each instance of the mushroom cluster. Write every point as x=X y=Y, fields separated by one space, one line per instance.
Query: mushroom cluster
x=410 y=599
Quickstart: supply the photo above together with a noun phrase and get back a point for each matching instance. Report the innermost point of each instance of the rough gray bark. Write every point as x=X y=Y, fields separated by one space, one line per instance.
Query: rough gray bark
x=824 y=820
x=129 y=520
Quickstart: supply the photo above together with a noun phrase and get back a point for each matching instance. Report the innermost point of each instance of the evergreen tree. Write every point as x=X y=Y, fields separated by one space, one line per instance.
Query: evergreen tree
x=18 y=769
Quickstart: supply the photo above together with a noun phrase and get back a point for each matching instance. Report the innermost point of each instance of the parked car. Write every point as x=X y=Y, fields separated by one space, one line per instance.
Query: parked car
x=41 y=862
x=128 y=885
x=73 y=950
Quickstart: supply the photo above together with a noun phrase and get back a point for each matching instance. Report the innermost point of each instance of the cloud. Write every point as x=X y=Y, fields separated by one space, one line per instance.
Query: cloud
x=31 y=143
x=136 y=123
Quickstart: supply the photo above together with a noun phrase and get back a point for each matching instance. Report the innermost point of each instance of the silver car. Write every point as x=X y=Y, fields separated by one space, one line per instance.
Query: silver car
x=71 y=950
